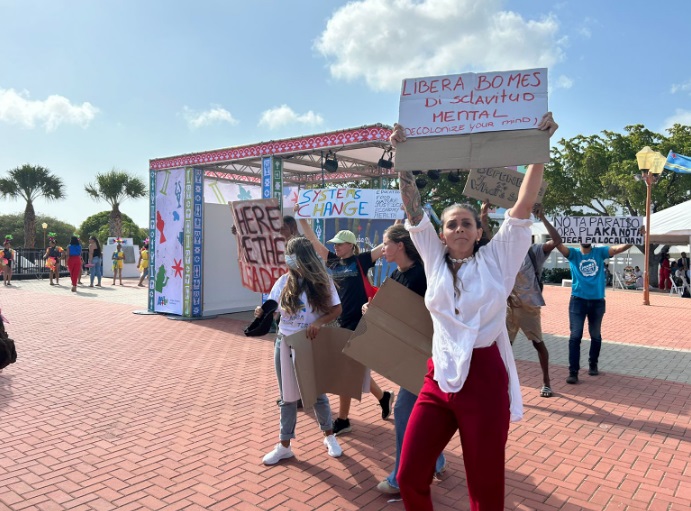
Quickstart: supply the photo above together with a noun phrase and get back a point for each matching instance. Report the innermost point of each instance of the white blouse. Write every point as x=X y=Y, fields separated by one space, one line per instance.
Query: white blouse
x=485 y=282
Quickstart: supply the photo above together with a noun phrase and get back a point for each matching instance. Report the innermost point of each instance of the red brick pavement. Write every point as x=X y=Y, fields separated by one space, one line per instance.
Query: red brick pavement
x=109 y=410
x=665 y=323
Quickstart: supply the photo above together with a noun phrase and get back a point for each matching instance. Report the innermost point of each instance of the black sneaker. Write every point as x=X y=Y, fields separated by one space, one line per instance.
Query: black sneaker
x=342 y=426
x=573 y=378
x=386 y=404
x=593 y=370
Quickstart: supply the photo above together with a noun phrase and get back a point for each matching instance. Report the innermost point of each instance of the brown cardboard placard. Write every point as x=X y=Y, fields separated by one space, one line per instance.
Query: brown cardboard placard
x=473 y=151
x=499 y=185
x=394 y=337
x=321 y=367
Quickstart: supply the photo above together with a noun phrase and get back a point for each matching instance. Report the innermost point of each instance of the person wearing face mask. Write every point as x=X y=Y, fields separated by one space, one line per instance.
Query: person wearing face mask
x=307 y=300
x=587 y=301
x=471 y=385
x=348 y=265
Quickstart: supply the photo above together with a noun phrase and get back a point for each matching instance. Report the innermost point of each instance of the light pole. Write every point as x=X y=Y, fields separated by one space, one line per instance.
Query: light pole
x=648 y=159
x=45 y=228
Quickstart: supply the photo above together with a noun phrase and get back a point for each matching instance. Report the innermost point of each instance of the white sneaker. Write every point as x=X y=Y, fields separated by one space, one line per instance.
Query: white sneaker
x=279 y=453
x=332 y=446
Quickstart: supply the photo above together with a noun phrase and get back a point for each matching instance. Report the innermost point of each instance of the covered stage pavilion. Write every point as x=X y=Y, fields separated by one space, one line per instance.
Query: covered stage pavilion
x=191 y=248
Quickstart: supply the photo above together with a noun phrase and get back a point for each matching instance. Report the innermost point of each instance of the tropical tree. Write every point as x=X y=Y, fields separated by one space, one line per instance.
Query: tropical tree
x=97 y=225
x=14 y=224
x=595 y=174
x=114 y=187
x=29 y=182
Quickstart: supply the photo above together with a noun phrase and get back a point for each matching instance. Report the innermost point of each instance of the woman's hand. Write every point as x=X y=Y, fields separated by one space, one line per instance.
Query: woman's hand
x=313 y=329
x=365 y=306
x=397 y=135
x=547 y=124
x=258 y=312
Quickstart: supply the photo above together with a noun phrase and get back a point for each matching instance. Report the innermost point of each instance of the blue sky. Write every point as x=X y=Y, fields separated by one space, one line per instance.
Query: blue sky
x=86 y=86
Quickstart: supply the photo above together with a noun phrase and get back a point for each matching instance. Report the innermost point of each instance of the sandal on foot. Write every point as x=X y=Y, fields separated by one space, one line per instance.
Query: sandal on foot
x=545 y=391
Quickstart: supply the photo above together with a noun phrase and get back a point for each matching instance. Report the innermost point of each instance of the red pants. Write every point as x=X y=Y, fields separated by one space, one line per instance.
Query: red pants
x=74 y=265
x=480 y=412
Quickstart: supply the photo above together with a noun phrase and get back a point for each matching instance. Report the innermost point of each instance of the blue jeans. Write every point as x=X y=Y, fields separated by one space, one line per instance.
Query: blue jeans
x=579 y=310
x=401 y=413
x=96 y=270
x=289 y=411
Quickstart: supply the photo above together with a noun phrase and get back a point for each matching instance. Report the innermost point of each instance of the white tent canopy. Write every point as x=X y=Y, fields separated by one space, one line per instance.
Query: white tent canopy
x=672 y=225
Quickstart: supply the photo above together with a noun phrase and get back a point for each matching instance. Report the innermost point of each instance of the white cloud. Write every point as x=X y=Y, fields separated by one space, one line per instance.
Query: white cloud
x=563 y=82
x=284 y=115
x=680 y=116
x=384 y=41
x=18 y=108
x=681 y=87
x=215 y=114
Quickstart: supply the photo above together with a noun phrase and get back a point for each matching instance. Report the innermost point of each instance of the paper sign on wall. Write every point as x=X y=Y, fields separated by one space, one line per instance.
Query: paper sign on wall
x=349 y=203
x=261 y=246
x=604 y=230
x=499 y=185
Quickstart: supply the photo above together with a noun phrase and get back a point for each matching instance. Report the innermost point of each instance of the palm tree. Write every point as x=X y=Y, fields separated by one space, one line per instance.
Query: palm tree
x=114 y=187
x=30 y=182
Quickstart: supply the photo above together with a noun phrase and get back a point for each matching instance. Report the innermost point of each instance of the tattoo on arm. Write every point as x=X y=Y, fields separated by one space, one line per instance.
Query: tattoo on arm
x=410 y=196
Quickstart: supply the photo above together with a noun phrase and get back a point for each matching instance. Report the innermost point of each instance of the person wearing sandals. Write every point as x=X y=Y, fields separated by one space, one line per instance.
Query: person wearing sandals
x=398 y=248
x=346 y=264
x=53 y=257
x=307 y=300
x=74 y=261
x=471 y=385
x=523 y=311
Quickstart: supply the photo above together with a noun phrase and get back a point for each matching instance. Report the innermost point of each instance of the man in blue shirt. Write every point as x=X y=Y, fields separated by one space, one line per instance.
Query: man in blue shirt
x=587 y=301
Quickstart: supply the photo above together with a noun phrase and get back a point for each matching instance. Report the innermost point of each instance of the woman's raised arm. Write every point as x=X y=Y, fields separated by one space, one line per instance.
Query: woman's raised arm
x=410 y=195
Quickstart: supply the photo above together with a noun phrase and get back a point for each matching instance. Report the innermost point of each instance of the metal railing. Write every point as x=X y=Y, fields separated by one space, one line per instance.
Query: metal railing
x=30 y=263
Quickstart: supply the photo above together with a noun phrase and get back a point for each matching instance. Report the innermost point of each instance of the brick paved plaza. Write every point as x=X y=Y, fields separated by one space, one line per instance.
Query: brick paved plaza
x=106 y=409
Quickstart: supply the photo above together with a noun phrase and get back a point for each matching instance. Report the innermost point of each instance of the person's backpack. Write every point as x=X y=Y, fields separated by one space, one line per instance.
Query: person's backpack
x=8 y=352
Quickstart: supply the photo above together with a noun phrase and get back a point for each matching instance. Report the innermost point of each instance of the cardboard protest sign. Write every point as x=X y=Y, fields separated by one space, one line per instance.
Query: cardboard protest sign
x=473 y=120
x=394 y=337
x=604 y=230
x=499 y=185
x=349 y=203
x=261 y=247
x=321 y=367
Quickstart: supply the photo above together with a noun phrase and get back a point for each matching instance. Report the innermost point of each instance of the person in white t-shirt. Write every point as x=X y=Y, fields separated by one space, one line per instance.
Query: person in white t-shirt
x=307 y=300
x=471 y=385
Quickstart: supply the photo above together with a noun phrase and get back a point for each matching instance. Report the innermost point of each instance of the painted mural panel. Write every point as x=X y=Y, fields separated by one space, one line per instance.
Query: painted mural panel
x=168 y=274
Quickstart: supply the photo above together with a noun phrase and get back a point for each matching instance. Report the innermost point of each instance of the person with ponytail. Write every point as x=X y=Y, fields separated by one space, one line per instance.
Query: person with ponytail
x=74 y=261
x=398 y=248
x=471 y=385
x=307 y=300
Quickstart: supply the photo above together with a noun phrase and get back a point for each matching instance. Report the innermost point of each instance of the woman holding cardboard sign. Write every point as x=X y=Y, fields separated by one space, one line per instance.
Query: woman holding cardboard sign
x=471 y=385
x=349 y=270
x=307 y=300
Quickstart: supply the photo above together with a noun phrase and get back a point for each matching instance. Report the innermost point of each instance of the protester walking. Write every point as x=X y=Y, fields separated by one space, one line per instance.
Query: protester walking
x=307 y=300
x=399 y=249
x=587 y=301
x=471 y=385
x=526 y=300
x=95 y=262
x=74 y=261
x=349 y=269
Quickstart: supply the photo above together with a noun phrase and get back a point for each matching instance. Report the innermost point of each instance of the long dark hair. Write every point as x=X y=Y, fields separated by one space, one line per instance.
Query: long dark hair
x=399 y=234
x=98 y=245
x=311 y=278
x=484 y=239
